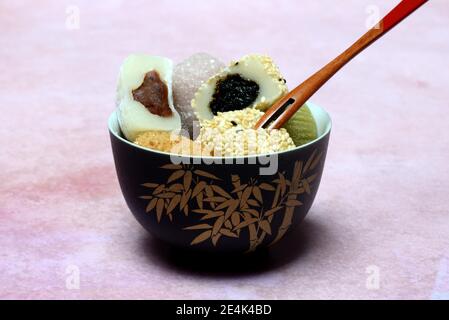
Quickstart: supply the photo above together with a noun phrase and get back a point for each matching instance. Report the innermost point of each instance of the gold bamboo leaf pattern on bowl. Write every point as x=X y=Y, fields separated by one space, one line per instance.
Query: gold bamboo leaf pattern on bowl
x=226 y=214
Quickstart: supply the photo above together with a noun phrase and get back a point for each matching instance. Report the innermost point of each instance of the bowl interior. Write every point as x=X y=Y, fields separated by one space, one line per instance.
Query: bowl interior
x=322 y=119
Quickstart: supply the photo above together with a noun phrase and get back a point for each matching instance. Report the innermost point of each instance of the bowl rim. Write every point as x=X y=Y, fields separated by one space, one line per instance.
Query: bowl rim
x=113 y=117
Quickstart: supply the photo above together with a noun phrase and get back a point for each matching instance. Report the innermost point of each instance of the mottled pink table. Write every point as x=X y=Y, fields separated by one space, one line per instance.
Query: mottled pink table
x=379 y=227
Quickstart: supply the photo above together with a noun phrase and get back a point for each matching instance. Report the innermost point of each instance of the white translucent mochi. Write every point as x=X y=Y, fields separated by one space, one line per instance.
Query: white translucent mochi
x=188 y=76
x=133 y=117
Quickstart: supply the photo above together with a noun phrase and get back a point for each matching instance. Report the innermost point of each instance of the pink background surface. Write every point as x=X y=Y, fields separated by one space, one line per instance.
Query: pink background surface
x=382 y=204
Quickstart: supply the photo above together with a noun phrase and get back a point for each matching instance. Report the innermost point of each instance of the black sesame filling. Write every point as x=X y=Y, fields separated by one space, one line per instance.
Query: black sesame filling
x=233 y=93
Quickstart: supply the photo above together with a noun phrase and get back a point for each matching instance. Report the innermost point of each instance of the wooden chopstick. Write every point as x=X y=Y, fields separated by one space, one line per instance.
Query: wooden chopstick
x=286 y=107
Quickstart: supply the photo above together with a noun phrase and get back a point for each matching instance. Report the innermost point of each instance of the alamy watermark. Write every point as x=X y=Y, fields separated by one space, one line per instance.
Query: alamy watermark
x=373 y=19
x=373 y=278
x=72 y=20
x=72 y=280
x=248 y=141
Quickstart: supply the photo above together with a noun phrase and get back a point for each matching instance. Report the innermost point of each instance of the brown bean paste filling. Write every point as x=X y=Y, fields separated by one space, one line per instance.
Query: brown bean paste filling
x=153 y=94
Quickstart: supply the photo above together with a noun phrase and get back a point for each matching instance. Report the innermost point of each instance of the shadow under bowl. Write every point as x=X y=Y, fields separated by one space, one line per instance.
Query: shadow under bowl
x=220 y=204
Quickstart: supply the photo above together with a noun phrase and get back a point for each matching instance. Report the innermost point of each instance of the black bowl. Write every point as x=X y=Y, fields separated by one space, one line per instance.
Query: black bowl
x=220 y=204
